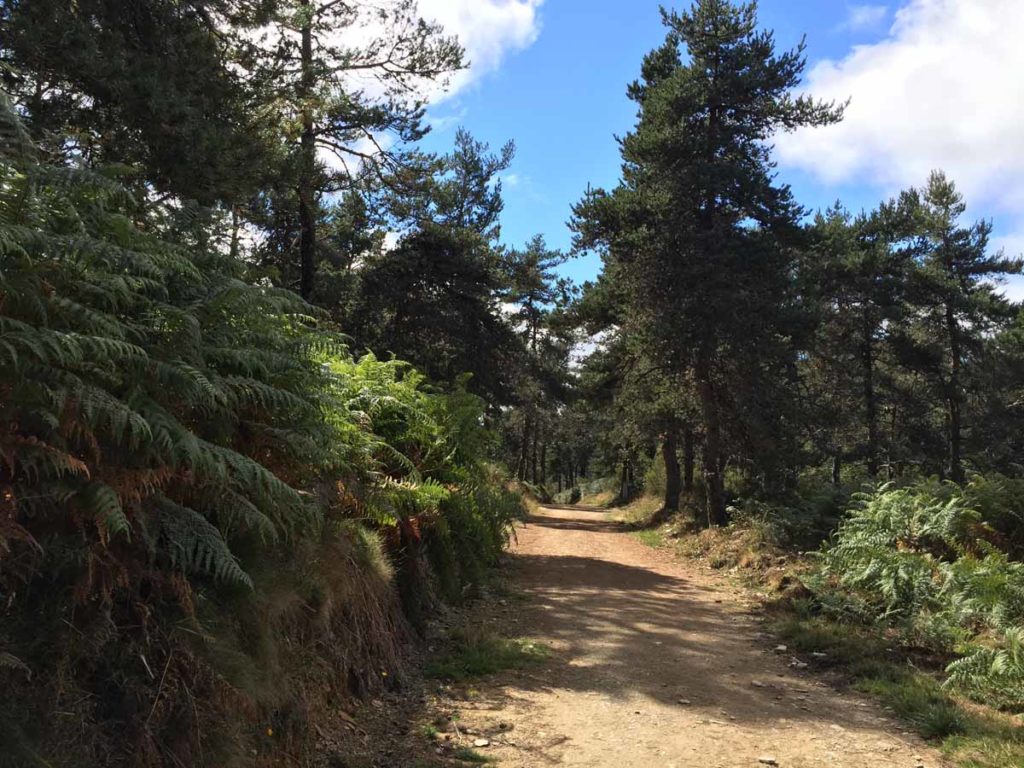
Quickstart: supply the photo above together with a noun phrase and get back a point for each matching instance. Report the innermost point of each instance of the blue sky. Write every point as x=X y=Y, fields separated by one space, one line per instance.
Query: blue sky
x=557 y=88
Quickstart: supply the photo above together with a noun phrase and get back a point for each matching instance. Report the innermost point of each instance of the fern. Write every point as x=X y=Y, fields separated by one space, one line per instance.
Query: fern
x=123 y=363
x=194 y=544
x=924 y=558
x=102 y=502
x=172 y=431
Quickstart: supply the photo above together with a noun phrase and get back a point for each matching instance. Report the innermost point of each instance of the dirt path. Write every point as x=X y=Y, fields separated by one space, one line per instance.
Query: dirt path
x=658 y=666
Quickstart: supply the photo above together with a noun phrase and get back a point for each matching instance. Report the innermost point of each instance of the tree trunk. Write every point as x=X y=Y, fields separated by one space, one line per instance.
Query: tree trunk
x=533 y=459
x=713 y=480
x=236 y=225
x=890 y=459
x=543 y=463
x=624 y=483
x=524 y=449
x=673 y=479
x=870 y=403
x=307 y=172
x=837 y=470
x=956 y=469
x=688 y=461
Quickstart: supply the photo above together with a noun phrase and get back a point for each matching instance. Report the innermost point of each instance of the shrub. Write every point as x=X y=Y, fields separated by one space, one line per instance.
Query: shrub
x=569 y=496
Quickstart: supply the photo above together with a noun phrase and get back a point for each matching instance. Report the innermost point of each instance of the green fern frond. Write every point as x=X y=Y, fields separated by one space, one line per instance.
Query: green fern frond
x=102 y=502
x=194 y=544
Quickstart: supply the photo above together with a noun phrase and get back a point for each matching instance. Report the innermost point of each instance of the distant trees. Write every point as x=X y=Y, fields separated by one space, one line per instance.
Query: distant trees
x=907 y=308
x=853 y=282
x=537 y=296
x=435 y=297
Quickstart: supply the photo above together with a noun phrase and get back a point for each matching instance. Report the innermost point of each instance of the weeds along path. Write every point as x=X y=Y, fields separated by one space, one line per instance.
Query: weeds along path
x=658 y=665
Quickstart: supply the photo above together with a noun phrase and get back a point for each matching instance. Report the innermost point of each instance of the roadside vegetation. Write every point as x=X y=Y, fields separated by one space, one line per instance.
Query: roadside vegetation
x=911 y=595
x=472 y=653
x=273 y=389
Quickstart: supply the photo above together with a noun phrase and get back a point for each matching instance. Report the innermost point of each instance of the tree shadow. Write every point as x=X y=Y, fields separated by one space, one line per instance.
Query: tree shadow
x=622 y=629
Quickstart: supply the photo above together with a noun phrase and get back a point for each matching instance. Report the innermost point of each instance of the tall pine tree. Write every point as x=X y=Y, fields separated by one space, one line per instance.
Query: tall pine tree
x=698 y=222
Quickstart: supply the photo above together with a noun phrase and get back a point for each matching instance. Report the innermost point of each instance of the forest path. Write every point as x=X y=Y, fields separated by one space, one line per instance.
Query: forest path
x=658 y=665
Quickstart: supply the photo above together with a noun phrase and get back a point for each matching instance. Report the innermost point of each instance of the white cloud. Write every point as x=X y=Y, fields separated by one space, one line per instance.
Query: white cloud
x=864 y=17
x=1013 y=247
x=1013 y=289
x=942 y=90
x=487 y=29
x=439 y=122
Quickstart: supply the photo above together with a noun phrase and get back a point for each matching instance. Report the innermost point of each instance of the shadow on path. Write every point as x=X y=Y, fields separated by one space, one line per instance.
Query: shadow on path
x=625 y=620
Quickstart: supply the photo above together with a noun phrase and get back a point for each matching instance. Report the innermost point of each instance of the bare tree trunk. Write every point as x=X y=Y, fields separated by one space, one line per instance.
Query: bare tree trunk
x=870 y=402
x=533 y=459
x=673 y=478
x=713 y=481
x=956 y=469
x=524 y=449
x=307 y=172
x=688 y=461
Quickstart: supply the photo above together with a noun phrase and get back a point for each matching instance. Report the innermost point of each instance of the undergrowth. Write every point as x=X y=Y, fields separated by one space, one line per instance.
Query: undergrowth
x=912 y=594
x=475 y=653
x=215 y=523
x=973 y=736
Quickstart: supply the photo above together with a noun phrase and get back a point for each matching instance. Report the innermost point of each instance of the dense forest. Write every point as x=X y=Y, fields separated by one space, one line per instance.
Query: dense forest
x=274 y=387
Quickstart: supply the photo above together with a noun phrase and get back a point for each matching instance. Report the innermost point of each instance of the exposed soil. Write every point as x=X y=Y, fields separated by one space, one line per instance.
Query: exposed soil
x=657 y=664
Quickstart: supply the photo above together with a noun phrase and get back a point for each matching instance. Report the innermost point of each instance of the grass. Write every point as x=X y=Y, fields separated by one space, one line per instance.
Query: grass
x=475 y=653
x=639 y=511
x=468 y=755
x=599 y=499
x=650 y=537
x=971 y=736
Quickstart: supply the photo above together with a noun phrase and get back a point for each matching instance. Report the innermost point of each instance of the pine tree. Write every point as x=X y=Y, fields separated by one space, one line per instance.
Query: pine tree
x=435 y=298
x=698 y=223
x=855 y=277
x=539 y=296
x=351 y=82
x=955 y=300
x=156 y=88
